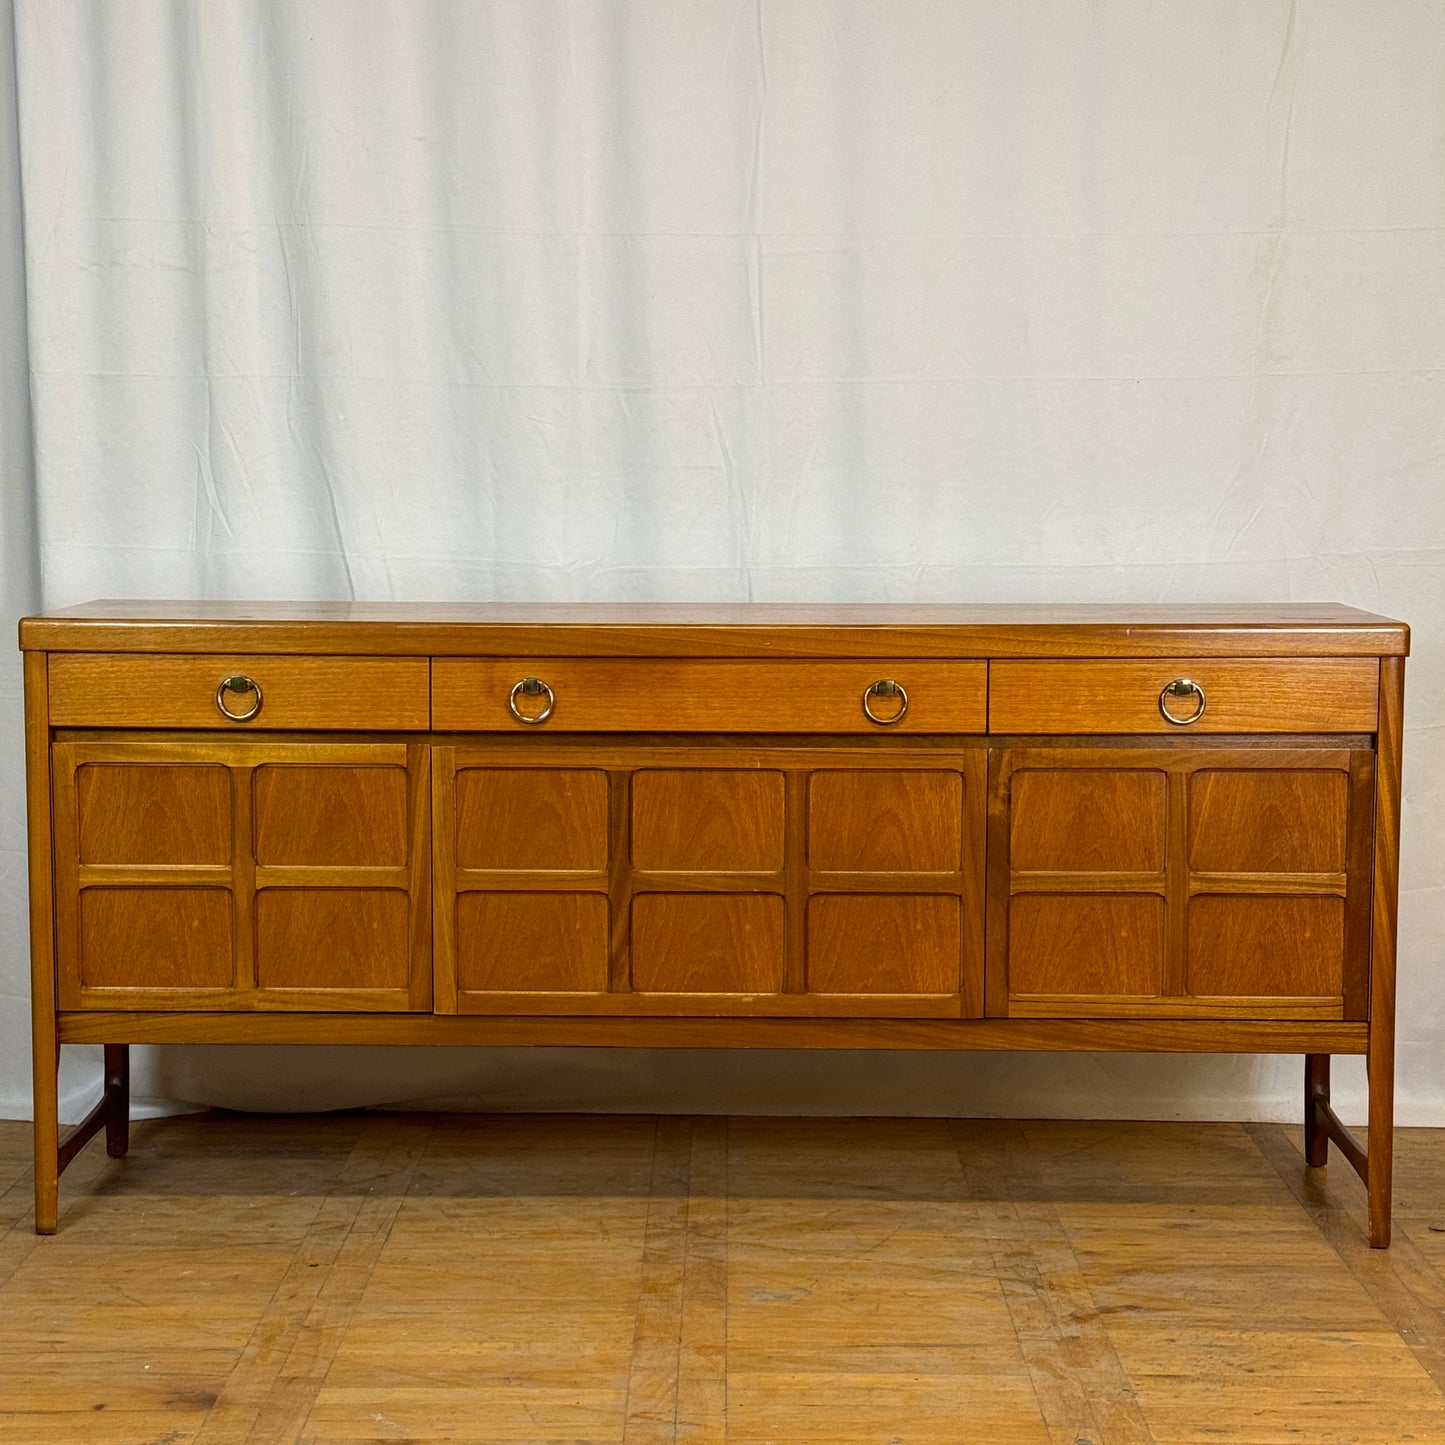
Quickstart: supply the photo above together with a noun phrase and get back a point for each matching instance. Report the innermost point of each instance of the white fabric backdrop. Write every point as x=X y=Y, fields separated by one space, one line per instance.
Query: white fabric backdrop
x=1088 y=299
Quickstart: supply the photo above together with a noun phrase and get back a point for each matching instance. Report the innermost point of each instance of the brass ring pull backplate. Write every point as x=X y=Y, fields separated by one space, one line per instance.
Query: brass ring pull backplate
x=240 y=684
x=1182 y=687
x=885 y=687
x=530 y=687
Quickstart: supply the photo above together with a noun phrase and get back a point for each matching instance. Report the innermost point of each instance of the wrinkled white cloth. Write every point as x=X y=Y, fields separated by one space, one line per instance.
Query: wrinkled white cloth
x=783 y=299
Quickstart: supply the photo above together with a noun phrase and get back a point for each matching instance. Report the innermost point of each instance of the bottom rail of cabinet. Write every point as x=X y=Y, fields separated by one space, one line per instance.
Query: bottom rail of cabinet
x=1206 y=1036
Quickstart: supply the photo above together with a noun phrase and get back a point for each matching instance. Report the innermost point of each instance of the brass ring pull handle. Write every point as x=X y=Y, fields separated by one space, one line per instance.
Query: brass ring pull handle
x=241 y=685
x=530 y=687
x=885 y=687
x=1182 y=687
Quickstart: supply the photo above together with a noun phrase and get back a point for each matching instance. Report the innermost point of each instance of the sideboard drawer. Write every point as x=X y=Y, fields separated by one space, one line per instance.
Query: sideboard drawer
x=91 y=689
x=1212 y=695
x=687 y=695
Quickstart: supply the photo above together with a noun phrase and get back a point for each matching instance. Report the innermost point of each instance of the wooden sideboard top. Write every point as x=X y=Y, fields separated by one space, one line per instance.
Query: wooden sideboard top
x=979 y=630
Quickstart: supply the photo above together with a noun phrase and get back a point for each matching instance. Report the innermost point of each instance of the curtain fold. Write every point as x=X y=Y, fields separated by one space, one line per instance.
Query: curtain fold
x=728 y=299
x=19 y=588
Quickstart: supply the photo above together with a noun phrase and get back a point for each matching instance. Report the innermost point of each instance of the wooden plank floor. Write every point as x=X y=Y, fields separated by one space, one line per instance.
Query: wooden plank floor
x=373 y=1277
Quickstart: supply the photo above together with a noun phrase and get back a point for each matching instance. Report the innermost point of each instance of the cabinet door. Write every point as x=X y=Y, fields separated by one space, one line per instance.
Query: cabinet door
x=1187 y=883
x=578 y=878
x=242 y=875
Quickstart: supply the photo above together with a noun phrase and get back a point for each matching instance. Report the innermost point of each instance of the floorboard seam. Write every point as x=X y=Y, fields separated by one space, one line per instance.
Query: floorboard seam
x=652 y=1377
x=1400 y=1281
x=259 y=1388
x=1075 y=1406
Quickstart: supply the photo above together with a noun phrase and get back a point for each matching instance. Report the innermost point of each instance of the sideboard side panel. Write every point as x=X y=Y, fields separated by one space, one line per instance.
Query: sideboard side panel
x=1380 y=1057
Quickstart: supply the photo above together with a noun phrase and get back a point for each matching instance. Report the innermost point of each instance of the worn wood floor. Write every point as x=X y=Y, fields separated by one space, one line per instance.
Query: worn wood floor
x=378 y=1277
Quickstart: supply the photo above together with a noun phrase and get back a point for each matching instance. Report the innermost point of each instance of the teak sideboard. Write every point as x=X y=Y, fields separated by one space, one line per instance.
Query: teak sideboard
x=905 y=827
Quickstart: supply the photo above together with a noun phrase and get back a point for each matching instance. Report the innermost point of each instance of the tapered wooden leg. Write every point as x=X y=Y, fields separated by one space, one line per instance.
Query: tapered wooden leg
x=1317 y=1086
x=1380 y=1145
x=47 y=1129
x=117 y=1091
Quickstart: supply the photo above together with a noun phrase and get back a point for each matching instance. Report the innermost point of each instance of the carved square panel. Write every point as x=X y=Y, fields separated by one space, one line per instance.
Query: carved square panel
x=698 y=819
x=537 y=942
x=1086 y=943
x=707 y=942
x=909 y=821
x=1265 y=946
x=875 y=943
x=1088 y=820
x=1265 y=821
x=330 y=816
x=141 y=813
x=155 y=938
x=532 y=818
x=332 y=938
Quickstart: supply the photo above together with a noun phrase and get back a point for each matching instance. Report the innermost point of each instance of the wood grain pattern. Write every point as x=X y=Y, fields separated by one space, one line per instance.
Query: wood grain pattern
x=544 y=942
x=795 y=881
x=1094 y=821
x=421 y=833
x=1279 y=695
x=1229 y=1034
x=1317 y=1090
x=701 y=1006
x=443 y=813
x=316 y=692
x=349 y=939
x=1177 y=886
x=338 y=819
x=242 y=879
x=1406 y=1286
x=142 y=939
x=647 y=695
x=334 y=816
x=999 y=879
x=701 y=943
x=154 y=813
x=1359 y=865
x=707 y=819
x=1261 y=928
x=868 y=944
x=535 y=819
x=1262 y=822
x=973 y=883
x=696 y=829
x=1266 y=947
x=1084 y=1391
x=885 y=822
x=1086 y=945
x=709 y=1279
x=620 y=878
x=1380 y=1062
x=1007 y=630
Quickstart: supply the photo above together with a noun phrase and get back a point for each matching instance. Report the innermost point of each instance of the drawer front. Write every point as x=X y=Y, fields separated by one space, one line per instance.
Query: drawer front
x=146 y=690
x=1315 y=695
x=647 y=695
